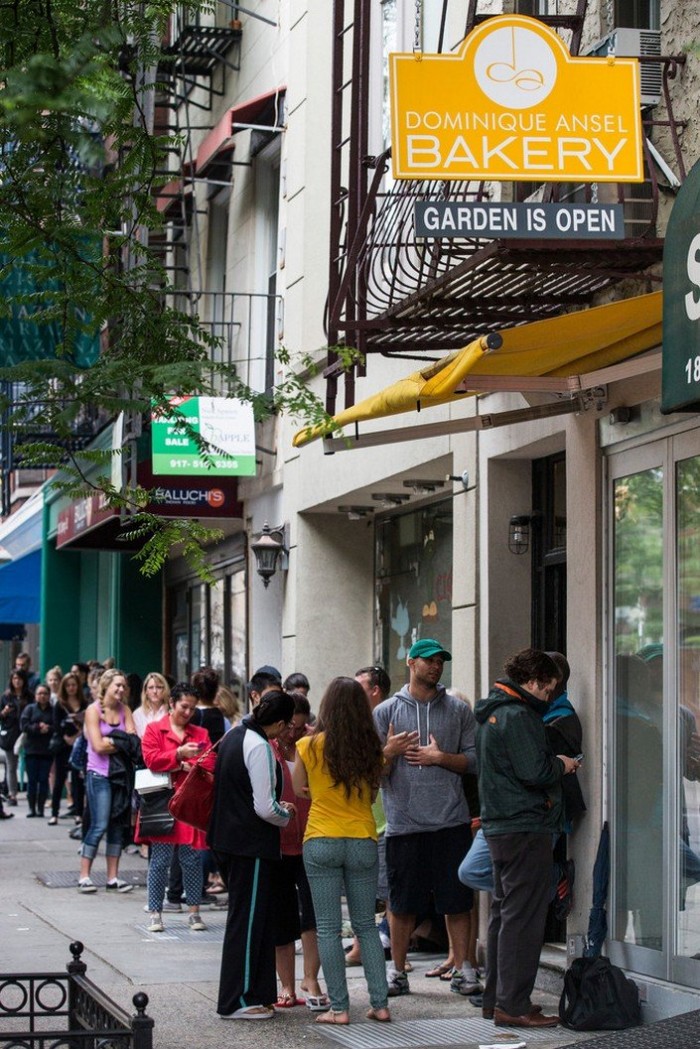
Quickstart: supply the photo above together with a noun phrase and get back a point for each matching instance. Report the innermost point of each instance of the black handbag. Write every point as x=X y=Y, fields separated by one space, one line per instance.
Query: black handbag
x=155 y=820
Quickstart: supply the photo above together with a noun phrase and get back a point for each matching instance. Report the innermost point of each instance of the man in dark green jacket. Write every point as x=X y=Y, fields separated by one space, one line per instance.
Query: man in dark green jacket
x=521 y=814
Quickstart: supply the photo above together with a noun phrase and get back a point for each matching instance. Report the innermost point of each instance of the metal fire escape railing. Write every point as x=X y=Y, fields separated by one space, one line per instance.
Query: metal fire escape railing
x=393 y=294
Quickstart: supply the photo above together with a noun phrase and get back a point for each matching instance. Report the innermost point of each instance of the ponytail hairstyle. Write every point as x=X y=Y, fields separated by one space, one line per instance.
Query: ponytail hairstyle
x=274 y=706
x=352 y=750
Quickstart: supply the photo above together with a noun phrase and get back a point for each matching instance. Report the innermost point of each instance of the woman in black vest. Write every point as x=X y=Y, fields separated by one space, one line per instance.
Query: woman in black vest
x=244 y=835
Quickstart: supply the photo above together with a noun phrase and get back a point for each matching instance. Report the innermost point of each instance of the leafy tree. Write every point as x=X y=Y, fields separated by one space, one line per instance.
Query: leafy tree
x=79 y=170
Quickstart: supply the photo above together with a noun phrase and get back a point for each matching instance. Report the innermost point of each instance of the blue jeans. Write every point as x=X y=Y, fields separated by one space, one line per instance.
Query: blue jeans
x=99 y=795
x=476 y=869
x=331 y=863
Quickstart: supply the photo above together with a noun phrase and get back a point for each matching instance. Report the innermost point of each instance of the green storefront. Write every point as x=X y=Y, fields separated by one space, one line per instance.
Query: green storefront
x=95 y=602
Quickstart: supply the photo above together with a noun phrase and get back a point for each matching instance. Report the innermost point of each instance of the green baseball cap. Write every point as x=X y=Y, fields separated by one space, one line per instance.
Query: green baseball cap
x=427 y=647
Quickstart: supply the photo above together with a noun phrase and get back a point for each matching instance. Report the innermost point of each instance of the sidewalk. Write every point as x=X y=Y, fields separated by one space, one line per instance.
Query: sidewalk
x=179 y=969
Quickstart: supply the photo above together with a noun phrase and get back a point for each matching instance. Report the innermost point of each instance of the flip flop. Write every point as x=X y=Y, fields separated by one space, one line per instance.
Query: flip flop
x=288 y=1001
x=250 y=1012
x=318 y=1003
x=439 y=970
x=447 y=976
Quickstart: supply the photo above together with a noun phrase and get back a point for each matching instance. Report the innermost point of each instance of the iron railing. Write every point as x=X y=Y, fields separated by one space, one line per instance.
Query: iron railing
x=68 y=1011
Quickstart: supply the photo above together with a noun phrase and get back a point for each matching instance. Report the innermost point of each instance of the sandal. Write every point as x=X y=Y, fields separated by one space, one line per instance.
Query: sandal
x=439 y=970
x=318 y=1003
x=288 y=1001
x=447 y=976
x=250 y=1012
x=331 y=1017
x=374 y=1014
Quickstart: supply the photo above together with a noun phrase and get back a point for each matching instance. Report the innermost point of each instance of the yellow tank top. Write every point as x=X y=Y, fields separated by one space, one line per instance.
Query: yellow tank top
x=333 y=814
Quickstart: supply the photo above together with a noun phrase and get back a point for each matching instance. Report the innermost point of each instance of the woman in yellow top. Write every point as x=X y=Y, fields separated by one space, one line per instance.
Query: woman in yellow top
x=339 y=769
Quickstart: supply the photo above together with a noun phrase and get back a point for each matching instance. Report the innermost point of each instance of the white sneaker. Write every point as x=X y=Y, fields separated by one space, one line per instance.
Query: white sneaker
x=195 y=922
x=86 y=885
x=156 y=923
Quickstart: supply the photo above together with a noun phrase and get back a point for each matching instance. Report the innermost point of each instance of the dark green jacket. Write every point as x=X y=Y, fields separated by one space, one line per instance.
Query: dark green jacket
x=519 y=777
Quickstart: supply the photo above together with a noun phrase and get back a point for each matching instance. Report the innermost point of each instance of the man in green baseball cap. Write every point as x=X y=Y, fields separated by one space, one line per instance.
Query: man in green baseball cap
x=426 y=647
x=428 y=741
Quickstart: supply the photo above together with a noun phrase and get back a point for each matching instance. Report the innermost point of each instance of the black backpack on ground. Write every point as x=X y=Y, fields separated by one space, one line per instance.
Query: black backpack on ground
x=597 y=996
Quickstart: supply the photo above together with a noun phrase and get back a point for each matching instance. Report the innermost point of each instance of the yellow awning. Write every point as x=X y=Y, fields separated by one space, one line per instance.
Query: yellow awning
x=560 y=347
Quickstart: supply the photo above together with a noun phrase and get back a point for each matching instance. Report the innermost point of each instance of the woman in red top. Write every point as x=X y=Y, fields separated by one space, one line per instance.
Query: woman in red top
x=170 y=745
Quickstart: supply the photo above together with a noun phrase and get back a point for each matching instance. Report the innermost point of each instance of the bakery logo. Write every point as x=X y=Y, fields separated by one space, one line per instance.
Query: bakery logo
x=515 y=68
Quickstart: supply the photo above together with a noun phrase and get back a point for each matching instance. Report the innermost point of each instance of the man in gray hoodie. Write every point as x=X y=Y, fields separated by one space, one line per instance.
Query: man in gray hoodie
x=428 y=741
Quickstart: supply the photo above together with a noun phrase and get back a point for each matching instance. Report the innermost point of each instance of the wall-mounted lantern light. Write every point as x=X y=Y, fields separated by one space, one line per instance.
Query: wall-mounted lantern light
x=519 y=533
x=268 y=547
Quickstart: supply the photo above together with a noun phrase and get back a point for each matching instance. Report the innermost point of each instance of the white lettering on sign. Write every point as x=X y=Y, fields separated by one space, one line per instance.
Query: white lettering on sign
x=692 y=305
x=527 y=154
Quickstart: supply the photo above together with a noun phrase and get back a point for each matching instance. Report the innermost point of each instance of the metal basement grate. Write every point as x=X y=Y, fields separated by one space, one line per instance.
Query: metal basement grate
x=176 y=929
x=69 y=879
x=677 y=1032
x=425 y=1032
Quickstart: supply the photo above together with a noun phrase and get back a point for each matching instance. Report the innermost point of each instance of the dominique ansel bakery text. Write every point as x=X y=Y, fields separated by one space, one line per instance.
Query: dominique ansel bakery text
x=481 y=139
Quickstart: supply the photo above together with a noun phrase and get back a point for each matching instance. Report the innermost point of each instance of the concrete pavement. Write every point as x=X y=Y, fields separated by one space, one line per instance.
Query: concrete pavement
x=179 y=969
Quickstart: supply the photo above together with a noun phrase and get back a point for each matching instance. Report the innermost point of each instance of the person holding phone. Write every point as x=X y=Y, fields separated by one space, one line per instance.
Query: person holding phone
x=170 y=745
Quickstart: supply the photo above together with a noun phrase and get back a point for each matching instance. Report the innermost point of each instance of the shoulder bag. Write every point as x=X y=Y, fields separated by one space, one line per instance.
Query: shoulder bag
x=155 y=821
x=193 y=800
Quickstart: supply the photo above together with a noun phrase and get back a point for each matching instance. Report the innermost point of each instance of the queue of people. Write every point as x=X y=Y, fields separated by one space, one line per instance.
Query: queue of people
x=370 y=800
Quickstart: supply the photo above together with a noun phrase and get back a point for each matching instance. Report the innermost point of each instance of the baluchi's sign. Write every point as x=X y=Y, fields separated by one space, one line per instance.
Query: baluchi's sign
x=514 y=104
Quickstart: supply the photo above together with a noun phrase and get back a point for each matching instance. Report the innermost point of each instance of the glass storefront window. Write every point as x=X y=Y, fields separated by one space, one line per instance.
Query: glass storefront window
x=209 y=628
x=237 y=612
x=638 y=707
x=688 y=633
x=414 y=585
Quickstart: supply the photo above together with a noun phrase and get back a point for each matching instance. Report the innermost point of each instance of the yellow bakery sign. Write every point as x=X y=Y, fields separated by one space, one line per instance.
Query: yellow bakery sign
x=513 y=104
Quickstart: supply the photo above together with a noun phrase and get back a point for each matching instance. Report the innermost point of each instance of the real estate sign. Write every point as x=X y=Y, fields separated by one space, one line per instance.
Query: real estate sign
x=227 y=426
x=513 y=104
x=680 y=367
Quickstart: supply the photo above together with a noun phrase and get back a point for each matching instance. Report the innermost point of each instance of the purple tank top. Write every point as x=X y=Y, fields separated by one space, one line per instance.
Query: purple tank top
x=100 y=762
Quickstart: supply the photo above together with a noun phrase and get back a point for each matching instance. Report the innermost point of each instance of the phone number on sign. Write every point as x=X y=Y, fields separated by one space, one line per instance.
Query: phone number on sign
x=198 y=464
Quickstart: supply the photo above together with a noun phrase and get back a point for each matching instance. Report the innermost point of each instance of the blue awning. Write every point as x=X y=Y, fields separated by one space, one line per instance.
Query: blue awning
x=20 y=590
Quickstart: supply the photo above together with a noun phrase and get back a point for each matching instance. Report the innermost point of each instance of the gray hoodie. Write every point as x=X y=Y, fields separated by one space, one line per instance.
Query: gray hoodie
x=426 y=798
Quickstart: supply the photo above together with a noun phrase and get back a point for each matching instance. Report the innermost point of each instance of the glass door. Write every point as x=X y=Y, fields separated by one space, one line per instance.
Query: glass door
x=654 y=703
x=687 y=691
x=637 y=620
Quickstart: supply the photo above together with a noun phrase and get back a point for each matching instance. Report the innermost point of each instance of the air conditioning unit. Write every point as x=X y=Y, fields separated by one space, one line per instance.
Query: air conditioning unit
x=635 y=43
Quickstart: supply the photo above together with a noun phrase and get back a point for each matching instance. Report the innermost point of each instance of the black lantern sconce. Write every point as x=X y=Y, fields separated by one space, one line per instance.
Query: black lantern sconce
x=269 y=546
x=519 y=533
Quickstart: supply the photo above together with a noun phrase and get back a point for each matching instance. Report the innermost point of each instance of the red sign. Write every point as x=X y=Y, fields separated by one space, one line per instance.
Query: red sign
x=190 y=496
x=82 y=516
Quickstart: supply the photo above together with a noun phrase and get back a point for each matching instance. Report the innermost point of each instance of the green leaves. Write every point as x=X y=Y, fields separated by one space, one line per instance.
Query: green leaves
x=89 y=319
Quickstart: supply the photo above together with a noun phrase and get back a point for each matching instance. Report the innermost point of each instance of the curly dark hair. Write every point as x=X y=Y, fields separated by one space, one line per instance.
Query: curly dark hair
x=352 y=750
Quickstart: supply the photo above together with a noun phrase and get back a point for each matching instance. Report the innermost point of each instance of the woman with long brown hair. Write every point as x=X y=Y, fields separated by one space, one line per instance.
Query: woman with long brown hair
x=69 y=714
x=339 y=767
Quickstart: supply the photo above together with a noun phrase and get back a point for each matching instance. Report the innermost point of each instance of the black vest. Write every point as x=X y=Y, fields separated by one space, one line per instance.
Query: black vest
x=235 y=827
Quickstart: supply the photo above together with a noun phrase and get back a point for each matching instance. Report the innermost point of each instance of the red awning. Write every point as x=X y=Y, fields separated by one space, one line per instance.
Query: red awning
x=260 y=111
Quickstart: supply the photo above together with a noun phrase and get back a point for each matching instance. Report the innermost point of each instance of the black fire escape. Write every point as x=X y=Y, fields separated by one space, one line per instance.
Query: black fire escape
x=394 y=295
